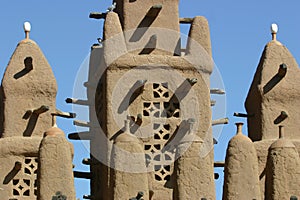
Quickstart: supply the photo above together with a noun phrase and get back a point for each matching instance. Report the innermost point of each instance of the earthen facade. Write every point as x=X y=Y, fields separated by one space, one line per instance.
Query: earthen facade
x=150 y=127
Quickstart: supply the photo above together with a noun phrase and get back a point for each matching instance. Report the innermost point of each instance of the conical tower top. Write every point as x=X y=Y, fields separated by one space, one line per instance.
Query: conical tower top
x=29 y=87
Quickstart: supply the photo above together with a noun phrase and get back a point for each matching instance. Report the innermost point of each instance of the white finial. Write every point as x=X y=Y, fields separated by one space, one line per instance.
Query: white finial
x=112 y=7
x=274 y=30
x=27 y=29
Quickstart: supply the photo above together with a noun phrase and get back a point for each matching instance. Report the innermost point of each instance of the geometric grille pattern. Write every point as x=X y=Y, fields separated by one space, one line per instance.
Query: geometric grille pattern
x=25 y=186
x=161 y=108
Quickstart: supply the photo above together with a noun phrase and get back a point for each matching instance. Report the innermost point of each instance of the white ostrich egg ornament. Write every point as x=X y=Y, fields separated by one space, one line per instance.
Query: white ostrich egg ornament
x=27 y=27
x=274 y=28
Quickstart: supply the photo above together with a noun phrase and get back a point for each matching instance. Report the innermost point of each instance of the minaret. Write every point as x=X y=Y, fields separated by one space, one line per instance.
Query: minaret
x=55 y=165
x=274 y=96
x=273 y=100
x=192 y=169
x=28 y=91
x=129 y=175
x=32 y=167
x=147 y=78
x=283 y=169
x=241 y=178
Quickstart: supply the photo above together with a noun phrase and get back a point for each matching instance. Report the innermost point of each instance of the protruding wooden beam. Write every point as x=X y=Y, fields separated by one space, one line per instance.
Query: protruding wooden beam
x=219 y=164
x=97 y=15
x=192 y=81
x=88 y=161
x=64 y=114
x=220 y=121
x=216 y=176
x=41 y=110
x=213 y=102
x=77 y=101
x=215 y=141
x=293 y=198
x=85 y=175
x=81 y=123
x=282 y=70
x=87 y=197
x=236 y=114
x=186 y=20
x=80 y=136
x=217 y=91
x=18 y=166
x=283 y=115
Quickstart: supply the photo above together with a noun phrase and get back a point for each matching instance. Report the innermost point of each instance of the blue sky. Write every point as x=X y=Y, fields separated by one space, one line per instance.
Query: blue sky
x=239 y=31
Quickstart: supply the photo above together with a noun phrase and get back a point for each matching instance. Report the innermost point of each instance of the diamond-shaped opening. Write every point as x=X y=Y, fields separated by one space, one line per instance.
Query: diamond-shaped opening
x=156 y=126
x=147 y=105
x=145 y=113
x=157 y=146
x=147 y=157
x=157 y=137
x=163 y=114
x=16 y=192
x=158 y=178
x=20 y=187
x=167 y=157
x=176 y=114
x=15 y=181
x=156 y=105
x=156 y=114
x=157 y=167
x=162 y=172
x=26 y=193
x=157 y=157
x=32 y=166
x=169 y=114
x=147 y=147
x=27 y=161
x=167 y=127
x=167 y=168
x=27 y=171
x=166 y=137
x=27 y=182
x=155 y=85
x=156 y=94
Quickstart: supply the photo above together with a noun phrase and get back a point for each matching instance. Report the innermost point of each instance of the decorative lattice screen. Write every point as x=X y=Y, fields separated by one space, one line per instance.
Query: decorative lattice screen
x=24 y=185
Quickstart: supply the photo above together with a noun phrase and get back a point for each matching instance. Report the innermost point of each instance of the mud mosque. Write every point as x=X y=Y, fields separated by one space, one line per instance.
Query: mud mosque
x=150 y=128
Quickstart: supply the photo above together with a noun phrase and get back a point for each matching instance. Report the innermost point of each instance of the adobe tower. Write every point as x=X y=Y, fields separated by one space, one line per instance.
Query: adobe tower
x=150 y=117
x=31 y=146
x=144 y=77
x=271 y=157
